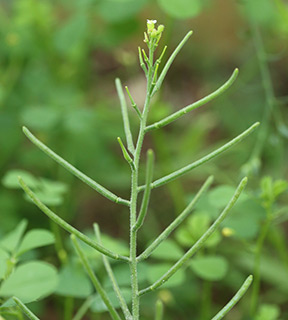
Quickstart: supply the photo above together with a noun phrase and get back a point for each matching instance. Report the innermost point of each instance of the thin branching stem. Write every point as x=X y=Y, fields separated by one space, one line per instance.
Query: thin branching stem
x=133 y=103
x=126 y=154
x=159 y=310
x=146 y=196
x=114 y=314
x=90 y=182
x=142 y=64
x=66 y=226
x=24 y=309
x=182 y=216
x=169 y=62
x=125 y=116
x=113 y=280
x=240 y=293
x=178 y=173
x=195 y=105
x=199 y=244
x=83 y=309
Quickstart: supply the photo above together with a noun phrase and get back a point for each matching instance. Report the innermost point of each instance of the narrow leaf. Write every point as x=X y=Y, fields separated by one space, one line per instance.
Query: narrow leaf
x=199 y=244
x=125 y=116
x=94 y=279
x=194 y=105
x=126 y=154
x=146 y=196
x=178 y=173
x=90 y=182
x=113 y=280
x=169 y=62
x=177 y=221
x=235 y=299
x=63 y=224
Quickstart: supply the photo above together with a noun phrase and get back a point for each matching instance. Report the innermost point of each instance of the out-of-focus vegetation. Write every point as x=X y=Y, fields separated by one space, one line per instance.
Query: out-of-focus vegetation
x=58 y=61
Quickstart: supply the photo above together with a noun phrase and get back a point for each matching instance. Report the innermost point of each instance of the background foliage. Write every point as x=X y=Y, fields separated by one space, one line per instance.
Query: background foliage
x=58 y=61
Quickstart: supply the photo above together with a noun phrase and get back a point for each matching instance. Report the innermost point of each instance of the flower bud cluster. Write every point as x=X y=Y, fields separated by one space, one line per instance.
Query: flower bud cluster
x=153 y=35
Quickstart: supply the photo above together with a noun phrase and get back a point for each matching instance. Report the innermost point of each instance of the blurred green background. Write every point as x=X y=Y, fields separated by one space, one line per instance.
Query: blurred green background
x=58 y=62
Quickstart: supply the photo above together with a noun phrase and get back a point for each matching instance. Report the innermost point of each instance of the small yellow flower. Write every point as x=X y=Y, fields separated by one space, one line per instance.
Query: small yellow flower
x=228 y=232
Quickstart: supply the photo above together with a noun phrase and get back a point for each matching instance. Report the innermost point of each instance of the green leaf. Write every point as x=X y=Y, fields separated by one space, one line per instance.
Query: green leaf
x=220 y=196
x=99 y=306
x=154 y=272
x=73 y=282
x=30 y=281
x=246 y=220
x=10 y=179
x=168 y=250
x=196 y=226
x=181 y=9
x=11 y=241
x=210 y=268
x=34 y=239
x=268 y=312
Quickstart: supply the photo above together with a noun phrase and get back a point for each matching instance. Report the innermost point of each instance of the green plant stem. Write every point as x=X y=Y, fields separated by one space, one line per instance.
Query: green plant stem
x=278 y=239
x=169 y=62
x=126 y=154
x=146 y=196
x=83 y=309
x=206 y=299
x=63 y=224
x=162 y=181
x=59 y=246
x=268 y=90
x=159 y=310
x=125 y=116
x=257 y=263
x=24 y=309
x=134 y=192
x=68 y=308
x=194 y=105
x=221 y=314
x=133 y=104
x=94 y=279
x=177 y=221
x=90 y=182
x=113 y=280
x=198 y=245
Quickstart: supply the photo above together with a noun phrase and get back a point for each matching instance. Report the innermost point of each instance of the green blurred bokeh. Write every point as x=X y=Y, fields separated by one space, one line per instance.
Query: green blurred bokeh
x=58 y=62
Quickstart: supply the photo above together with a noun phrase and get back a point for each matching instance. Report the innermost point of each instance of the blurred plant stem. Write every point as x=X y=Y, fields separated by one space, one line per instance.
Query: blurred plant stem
x=206 y=300
x=257 y=262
